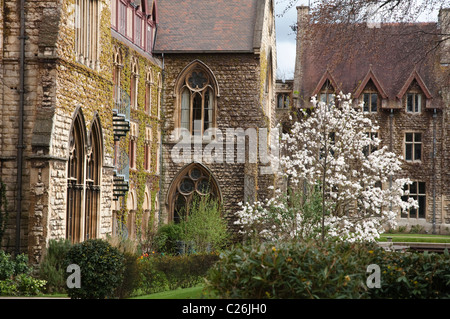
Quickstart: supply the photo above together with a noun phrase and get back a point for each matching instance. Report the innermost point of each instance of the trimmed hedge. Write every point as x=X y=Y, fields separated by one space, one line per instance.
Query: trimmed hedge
x=332 y=270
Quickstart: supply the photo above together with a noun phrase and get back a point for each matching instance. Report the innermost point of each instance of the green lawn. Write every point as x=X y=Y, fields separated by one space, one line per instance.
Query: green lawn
x=423 y=238
x=187 y=293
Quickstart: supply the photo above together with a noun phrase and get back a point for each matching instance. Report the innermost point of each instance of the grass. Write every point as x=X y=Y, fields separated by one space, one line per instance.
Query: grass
x=186 y=293
x=422 y=238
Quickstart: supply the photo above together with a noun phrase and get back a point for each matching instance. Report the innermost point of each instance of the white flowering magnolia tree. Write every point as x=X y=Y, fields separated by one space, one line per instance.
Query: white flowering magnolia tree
x=344 y=183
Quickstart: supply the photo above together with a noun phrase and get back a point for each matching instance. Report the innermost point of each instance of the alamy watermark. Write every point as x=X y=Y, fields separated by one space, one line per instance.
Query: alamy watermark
x=74 y=279
x=234 y=146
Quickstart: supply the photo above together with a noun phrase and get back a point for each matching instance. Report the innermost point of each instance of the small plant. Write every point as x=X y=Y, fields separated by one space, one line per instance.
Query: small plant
x=205 y=228
x=102 y=269
x=52 y=266
x=15 y=276
x=416 y=229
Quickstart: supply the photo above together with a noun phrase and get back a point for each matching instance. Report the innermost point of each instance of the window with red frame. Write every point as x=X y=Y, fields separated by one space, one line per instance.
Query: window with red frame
x=138 y=16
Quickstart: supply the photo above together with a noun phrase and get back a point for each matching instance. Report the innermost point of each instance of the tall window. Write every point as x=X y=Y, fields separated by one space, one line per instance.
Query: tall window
x=416 y=191
x=132 y=144
x=87 y=32
x=326 y=93
x=148 y=93
x=75 y=180
x=414 y=102
x=194 y=181
x=117 y=69
x=83 y=181
x=197 y=101
x=134 y=84
x=94 y=164
x=135 y=20
x=413 y=146
x=370 y=102
x=147 y=148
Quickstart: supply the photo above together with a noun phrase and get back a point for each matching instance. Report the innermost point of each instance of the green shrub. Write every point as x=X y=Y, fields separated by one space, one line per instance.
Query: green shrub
x=332 y=270
x=414 y=275
x=151 y=279
x=162 y=272
x=101 y=266
x=15 y=276
x=131 y=276
x=204 y=228
x=53 y=267
x=7 y=266
x=168 y=237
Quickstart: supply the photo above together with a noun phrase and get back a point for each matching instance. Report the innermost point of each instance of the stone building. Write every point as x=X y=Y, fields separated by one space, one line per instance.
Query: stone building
x=219 y=65
x=79 y=94
x=91 y=94
x=402 y=76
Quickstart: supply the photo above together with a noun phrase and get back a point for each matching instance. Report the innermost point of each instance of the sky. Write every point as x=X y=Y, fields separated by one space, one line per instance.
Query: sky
x=286 y=39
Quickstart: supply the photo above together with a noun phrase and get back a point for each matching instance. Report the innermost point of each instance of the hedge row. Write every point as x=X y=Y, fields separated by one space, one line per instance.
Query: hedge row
x=332 y=270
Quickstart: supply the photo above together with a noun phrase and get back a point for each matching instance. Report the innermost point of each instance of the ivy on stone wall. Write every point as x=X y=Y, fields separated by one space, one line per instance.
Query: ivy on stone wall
x=140 y=177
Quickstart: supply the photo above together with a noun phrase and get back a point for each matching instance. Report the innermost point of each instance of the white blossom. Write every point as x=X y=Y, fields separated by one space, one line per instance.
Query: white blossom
x=363 y=193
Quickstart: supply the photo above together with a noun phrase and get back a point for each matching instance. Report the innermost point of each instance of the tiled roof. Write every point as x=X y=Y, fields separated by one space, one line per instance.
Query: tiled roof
x=391 y=57
x=206 y=25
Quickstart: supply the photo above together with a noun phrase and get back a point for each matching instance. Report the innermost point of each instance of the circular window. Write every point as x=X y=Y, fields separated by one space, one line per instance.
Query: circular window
x=186 y=186
x=195 y=173
x=197 y=80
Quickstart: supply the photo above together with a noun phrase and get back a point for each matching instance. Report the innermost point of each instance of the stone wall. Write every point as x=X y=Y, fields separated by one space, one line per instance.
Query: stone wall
x=238 y=106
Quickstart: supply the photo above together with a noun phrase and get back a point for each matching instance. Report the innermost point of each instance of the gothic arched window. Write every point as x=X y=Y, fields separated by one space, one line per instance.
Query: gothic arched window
x=193 y=181
x=75 y=180
x=94 y=166
x=197 y=92
x=83 y=180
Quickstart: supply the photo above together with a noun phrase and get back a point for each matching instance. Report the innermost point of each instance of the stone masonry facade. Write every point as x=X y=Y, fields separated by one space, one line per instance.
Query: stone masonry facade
x=79 y=66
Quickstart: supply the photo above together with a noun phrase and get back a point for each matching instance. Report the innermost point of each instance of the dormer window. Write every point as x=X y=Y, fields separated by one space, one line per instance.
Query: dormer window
x=370 y=102
x=414 y=102
x=326 y=93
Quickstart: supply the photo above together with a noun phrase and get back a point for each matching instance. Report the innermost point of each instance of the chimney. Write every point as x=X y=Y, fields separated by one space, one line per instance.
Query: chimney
x=302 y=22
x=444 y=25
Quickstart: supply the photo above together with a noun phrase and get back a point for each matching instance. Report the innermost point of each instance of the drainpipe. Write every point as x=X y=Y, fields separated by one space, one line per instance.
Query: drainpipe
x=20 y=145
x=434 y=171
x=391 y=118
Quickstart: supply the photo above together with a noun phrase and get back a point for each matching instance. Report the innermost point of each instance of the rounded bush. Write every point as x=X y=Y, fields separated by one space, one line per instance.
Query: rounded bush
x=101 y=266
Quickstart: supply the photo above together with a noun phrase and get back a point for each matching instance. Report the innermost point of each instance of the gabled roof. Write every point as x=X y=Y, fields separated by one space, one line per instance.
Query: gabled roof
x=370 y=76
x=398 y=58
x=194 y=26
x=326 y=76
x=414 y=76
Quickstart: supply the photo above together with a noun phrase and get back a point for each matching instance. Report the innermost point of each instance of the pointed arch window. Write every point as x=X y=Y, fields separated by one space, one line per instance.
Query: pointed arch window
x=94 y=165
x=193 y=181
x=83 y=180
x=75 y=180
x=197 y=97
